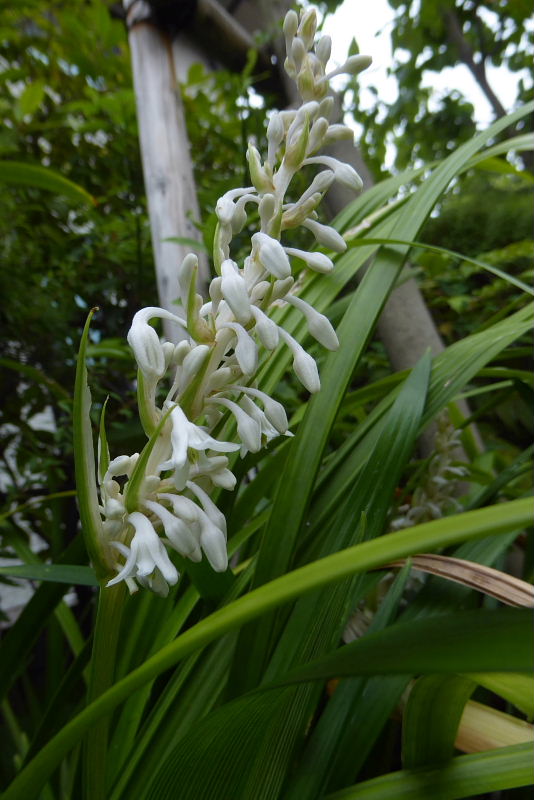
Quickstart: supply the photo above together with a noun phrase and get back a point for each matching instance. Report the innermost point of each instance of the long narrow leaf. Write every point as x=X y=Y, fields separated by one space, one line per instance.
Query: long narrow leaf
x=439 y=533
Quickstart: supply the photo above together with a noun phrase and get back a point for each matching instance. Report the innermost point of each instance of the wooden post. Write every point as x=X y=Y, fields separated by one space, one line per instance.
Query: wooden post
x=165 y=154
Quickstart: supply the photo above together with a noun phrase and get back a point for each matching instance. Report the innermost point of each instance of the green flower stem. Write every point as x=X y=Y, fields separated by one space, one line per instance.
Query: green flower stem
x=106 y=634
x=440 y=533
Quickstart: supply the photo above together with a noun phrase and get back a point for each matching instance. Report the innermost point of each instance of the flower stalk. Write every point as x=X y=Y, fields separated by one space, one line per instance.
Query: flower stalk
x=159 y=501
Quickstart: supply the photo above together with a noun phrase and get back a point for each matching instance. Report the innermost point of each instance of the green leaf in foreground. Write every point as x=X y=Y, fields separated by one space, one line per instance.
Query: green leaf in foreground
x=84 y=462
x=464 y=776
x=72 y=574
x=500 y=518
x=502 y=639
x=17 y=173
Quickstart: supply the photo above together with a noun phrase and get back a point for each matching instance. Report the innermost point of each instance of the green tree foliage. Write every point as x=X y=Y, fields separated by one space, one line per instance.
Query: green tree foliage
x=429 y=36
x=67 y=104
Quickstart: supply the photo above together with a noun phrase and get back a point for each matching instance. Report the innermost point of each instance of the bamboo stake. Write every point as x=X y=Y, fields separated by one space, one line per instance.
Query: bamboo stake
x=165 y=153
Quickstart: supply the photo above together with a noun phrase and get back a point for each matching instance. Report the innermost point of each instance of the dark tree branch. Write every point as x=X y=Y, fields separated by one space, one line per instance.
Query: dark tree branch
x=477 y=69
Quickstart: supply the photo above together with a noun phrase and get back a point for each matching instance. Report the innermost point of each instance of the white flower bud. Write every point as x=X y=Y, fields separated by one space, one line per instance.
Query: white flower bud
x=225 y=210
x=267 y=209
x=180 y=352
x=321 y=183
x=258 y=173
x=318 y=325
x=234 y=291
x=343 y=172
x=266 y=329
x=216 y=516
x=326 y=106
x=291 y=24
x=326 y=235
x=308 y=26
x=221 y=377
x=275 y=136
x=281 y=288
x=274 y=411
x=303 y=364
x=271 y=254
x=248 y=429
x=177 y=532
x=192 y=363
x=145 y=343
x=352 y=66
x=298 y=52
x=258 y=293
x=246 y=351
x=317 y=134
x=296 y=213
x=323 y=49
x=316 y=261
x=213 y=543
x=337 y=133
x=185 y=274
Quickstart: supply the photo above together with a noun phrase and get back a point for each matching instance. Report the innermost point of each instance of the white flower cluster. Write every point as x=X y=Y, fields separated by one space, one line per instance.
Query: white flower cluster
x=212 y=372
x=435 y=496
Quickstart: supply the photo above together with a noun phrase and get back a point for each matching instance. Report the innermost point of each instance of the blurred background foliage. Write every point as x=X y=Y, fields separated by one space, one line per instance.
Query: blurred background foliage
x=67 y=103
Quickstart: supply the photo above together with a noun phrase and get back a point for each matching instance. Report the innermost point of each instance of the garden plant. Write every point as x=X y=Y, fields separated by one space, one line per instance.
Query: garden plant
x=277 y=595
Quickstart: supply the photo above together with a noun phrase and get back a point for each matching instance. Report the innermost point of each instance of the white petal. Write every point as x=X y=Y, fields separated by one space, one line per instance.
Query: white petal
x=176 y=531
x=266 y=329
x=303 y=364
x=271 y=254
x=150 y=550
x=193 y=362
x=145 y=342
x=274 y=411
x=245 y=350
x=216 y=516
x=326 y=235
x=213 y=543
x=318 y=325
x=316 y=261
x=248 y=430
x=234 y=290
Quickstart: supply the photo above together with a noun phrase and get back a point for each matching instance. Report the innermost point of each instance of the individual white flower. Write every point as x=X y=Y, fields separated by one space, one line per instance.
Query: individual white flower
x=352 y=66
x=245 y=350
x=192 y=363
x=326 y=235
x=271 y=254
x=184 y=435
x=147 y=554
x=274 y=411
x=216 y=516
x=266 y=329
x=215 y=468
x=319 y=326
x=179 y=534
x=275 y=136
x=303 y=364
x=316 y=261
x=213 y=543
x=145 y=342
x=343 y=172
x=234 y=291
x=248 y=429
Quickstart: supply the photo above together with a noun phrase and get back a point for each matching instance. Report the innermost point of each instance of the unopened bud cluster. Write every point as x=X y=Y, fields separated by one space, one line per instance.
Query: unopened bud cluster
x=212 y=373
x=435 y=497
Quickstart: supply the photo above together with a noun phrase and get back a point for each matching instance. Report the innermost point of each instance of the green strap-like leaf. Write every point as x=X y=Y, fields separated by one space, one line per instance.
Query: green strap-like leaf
x=36 y=176
x=430 y=720
x=461 y=777
x=72 y=574
x=360 y=558
x=84 y=462
x=502 y=639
